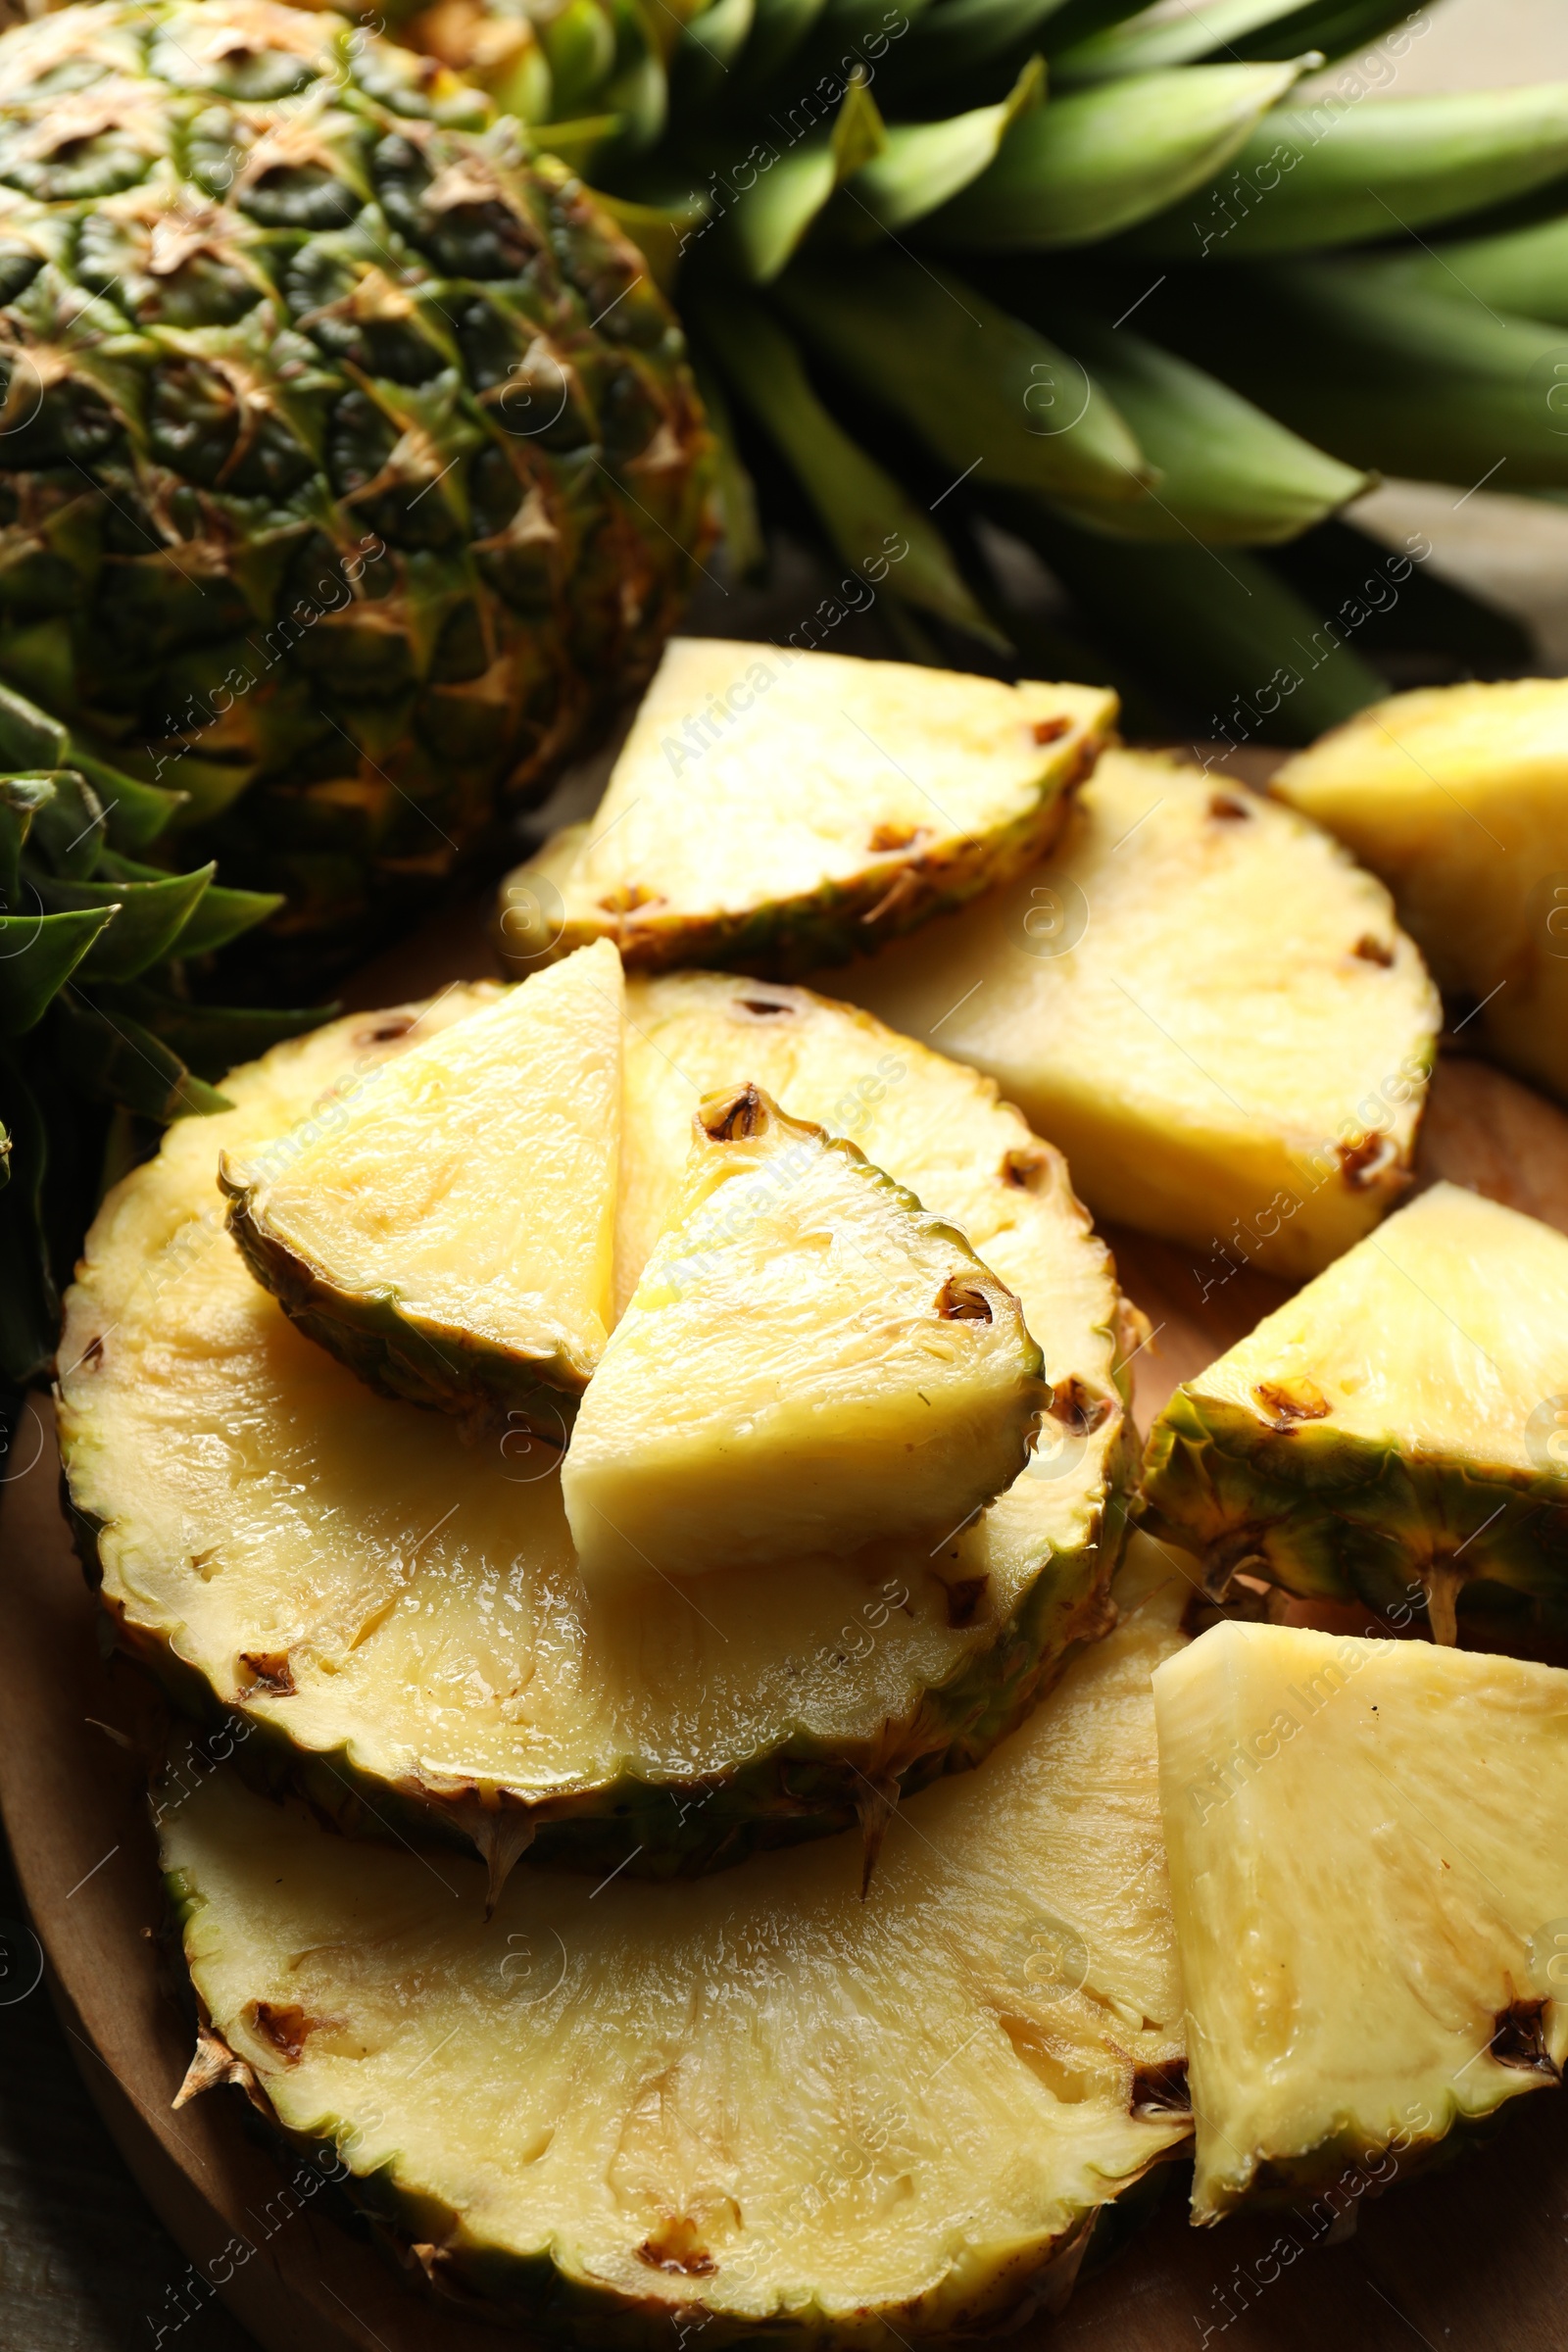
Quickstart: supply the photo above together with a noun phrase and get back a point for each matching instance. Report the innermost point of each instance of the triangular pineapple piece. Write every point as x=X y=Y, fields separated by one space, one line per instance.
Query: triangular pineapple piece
x=1398 y=1427
x=1370 y=1884
x=774 y=810
x=1458 y=796
x=1203 y=1003
x=809 y=1361
x=445 y=1226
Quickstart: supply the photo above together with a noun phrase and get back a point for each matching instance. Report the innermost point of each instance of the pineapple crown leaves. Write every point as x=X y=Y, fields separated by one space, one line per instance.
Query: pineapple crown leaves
x=1123 y=184
x=94 y=1004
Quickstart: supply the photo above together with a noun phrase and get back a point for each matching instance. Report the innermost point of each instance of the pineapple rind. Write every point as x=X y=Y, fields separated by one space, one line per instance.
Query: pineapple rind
x=1252 y=1465
x=751 y=924
x=909 y=1691
x=1361 y=1525
x=539 y=2165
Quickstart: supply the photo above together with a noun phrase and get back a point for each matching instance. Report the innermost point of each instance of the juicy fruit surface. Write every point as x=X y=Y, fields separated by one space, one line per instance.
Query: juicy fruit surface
x=1203 y=1003
x=774 y=810
x=1370 y=1889
x=364 y=456
x=426 y=1626
x=810 y=1362
x=759 y=2094
x=450 y=1233
x=1402 y=1416
x=1458 y=796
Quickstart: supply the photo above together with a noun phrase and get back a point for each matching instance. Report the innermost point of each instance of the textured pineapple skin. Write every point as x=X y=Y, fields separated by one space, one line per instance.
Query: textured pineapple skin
x=792 y=937
x=664 y=1830
x=445 y=1368
x=293 y=526
x=686 y=1824
x=1366 y=1525
x=787 y=937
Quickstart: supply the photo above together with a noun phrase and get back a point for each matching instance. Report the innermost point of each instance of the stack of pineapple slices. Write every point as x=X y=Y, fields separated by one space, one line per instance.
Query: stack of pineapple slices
x=778 y=1467
x=1199 y=997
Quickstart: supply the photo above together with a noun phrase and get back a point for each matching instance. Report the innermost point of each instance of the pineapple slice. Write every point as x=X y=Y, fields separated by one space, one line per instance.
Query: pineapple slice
x=772 y=810
x=1203 y=1003
x=845 y=1366
x=1399 y=1426
x=446 y=1229
x=753 y=2108
x=1370 y=1887
x=417 y=1647
x=1458 y=796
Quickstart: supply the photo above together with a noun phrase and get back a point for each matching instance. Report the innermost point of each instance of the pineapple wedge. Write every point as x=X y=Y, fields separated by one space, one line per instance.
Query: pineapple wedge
x=1370 y=1885
x=1397 y=1429
x=1458 y=796
x=417 y=1648
x=1203 y=1002
x=845 y=1366
x=446 y=1228
x=754 y=2109
x=772 y=810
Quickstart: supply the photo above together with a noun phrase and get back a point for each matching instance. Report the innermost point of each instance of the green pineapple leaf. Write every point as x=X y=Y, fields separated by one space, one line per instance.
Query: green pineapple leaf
x=38 y=952
x=1230 y=474
x=872 y=522
x=1093 y=163
x=150 y=918
x=134 y=814
x=924 y=164
x=1255 y=29
x=1336 y=175
x=20 y=798
x=67 y=832
x=114 y=1058
x=208 y=1039
x=768 y=224
x=980 y=388
x=218 y=916
x=1395 y=379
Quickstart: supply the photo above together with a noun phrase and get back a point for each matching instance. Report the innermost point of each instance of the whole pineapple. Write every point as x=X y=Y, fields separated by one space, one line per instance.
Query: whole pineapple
x=1116 y=278
x=349 y=461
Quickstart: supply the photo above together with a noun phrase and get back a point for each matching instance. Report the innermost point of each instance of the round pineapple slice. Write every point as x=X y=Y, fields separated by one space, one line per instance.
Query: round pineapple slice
x=401 y=1615
x=656 y=2115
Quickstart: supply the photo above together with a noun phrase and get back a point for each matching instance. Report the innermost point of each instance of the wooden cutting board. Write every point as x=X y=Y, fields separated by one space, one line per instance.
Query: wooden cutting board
x=1471 y=2257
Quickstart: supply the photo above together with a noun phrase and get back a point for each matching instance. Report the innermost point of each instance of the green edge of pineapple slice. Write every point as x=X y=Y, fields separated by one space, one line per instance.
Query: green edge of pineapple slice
x=1370 y=1889
x=756 y=2106
x=774 y=810
x=416 y=1650
x=1395 y=1430
x=404 y=1229
x=847 y=1370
